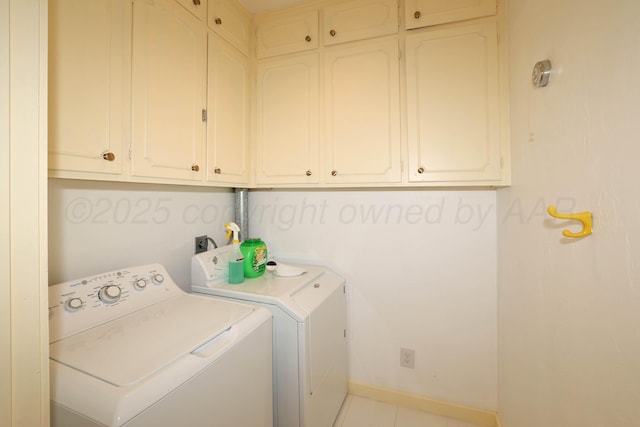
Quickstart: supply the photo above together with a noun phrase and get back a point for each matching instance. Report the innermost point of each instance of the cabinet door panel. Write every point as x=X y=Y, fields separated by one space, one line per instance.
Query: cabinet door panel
x=88 y=84
x=197 y=7
x=362 y=101
x=228 y=121
x=287 y=34
x=288 y=120
x=422 y=13
x=229 y=20
x=360 y=19
x=169 y=91
x=453 y=104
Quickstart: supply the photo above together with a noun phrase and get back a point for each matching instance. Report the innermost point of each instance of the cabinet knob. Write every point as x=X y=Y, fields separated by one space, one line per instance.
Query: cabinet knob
x=417 y=14
x=333 y=33
x=108 y=156
x=218 y=21
x=308 y=173
x=308 y=38
x=217 y=171
x=420 y=169
x=195 y=168
x=334 y=172
x=196 y=2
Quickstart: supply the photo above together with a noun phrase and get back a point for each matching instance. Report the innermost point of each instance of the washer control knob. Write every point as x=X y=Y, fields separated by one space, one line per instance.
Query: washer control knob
x=140 y=284
x=158 y=279
x=110 y=294
x=73 y=304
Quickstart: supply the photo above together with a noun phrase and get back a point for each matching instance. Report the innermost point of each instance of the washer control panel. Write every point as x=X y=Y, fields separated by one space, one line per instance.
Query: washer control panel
x=81 y=304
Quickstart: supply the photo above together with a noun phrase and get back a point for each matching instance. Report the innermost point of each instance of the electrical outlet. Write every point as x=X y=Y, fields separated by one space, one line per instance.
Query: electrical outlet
x=407 y=358
x=202 y=244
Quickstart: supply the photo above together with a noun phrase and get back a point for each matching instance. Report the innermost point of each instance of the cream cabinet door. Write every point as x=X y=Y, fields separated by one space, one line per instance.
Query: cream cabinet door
x=231 y=22
x=168 y=90
x=359 y=20
x=287 y=123
x=362 y=113
x=453 y=104
x=197 y=7
x=228 y=114
x=89 y=58
x=287 y=34
x=422 y=13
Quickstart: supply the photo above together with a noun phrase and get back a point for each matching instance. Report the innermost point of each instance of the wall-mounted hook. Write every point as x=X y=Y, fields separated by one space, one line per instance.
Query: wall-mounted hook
x=586 y=218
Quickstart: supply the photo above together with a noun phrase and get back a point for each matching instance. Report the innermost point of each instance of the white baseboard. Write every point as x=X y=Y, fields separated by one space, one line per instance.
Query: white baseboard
x=469 y=414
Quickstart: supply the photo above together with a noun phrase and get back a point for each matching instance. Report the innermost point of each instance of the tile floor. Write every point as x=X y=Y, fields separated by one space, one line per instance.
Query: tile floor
x=360 y=412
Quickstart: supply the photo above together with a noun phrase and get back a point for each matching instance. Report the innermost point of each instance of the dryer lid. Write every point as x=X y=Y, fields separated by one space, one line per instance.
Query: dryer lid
x=133 y=347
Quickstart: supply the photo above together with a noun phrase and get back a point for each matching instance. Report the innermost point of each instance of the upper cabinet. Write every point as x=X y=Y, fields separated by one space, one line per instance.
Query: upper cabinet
x=355 y=138
x=228 y=114
x=453 y=104
x=359 y=20
x=362 y=113
x=231 y=22
x=423 y=13
x=287 y=34
x=138 y=93
x=89 y=77
x=342 y=22
x=169 y=85
x=288 y=111
x=452 y=85
x=327 y=93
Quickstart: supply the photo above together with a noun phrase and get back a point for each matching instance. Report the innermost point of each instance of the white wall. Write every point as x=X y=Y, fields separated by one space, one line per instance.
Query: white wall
x=421 y=273
x=569 y=342
x=96 y=227
x=420 y=265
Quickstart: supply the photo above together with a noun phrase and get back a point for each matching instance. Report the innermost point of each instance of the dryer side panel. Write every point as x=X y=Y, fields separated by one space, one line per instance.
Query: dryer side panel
x=325 y=349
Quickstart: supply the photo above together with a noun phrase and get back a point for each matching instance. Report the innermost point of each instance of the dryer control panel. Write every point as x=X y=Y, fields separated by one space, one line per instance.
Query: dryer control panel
x=81 y=304
x=211 y=267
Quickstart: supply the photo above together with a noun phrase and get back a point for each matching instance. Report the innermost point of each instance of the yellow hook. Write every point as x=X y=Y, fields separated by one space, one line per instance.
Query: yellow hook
x=586 y=218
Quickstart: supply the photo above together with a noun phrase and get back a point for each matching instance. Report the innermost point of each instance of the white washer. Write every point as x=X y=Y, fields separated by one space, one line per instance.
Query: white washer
x=309 y=328
x=130 y=348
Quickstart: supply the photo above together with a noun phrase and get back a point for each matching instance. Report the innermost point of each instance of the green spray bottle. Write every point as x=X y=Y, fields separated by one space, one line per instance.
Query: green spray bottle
x=236 y=259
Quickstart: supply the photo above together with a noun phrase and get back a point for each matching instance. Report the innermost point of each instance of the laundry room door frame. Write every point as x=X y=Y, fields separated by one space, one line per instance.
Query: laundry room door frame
x=24 y=340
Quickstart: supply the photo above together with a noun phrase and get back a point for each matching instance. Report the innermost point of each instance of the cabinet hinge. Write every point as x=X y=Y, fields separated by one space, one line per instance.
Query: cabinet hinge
x=130 y=152
x=204 y=115
x=345 y=333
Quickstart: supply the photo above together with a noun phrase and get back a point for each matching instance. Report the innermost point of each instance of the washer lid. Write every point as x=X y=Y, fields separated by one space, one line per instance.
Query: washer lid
x=131 y=348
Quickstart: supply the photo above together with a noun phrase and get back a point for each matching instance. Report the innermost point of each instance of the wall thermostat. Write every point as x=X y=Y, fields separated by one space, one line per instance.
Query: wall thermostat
x=541 y=73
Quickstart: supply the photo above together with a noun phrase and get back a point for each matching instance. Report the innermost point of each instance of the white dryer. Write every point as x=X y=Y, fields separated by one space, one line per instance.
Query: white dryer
x=310 y=336
x=130 y=348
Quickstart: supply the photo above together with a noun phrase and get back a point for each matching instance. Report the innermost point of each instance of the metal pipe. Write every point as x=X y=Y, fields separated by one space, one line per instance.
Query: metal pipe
x=241 y=211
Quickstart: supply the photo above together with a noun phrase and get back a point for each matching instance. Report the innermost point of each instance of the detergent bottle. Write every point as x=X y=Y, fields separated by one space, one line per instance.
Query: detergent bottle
x=236 y=259
x=254 y=252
